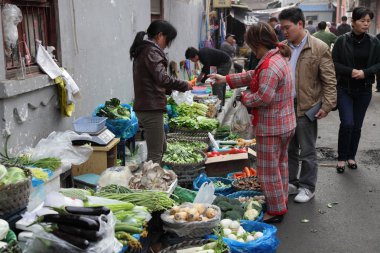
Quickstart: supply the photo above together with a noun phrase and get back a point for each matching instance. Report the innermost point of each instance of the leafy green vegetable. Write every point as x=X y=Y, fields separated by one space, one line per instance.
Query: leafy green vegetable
x=196 y=109
x=179 y=153
x=114 y=110
x=191 y=123
x=13 y=176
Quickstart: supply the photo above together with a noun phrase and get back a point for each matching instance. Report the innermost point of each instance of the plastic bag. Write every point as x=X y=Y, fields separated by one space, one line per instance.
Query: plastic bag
x=202 y=178
x=241 y=121
x=11 y=17
x=183 y=97
x=115 y=175
x=122 y=128
x=139 y=155
x=59 y=145
x=47 y=64
x=193 y=229
x=205 y=194
x=268 y=243
x=49 y=243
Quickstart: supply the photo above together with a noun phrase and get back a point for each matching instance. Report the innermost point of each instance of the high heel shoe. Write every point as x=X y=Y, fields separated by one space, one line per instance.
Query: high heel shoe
x=340 y=169
x=352 y=166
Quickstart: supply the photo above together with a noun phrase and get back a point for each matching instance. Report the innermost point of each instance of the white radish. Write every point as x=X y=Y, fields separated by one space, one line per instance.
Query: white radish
x=232 y=237
x=225 y=223
x=240 y=240
x=227 y=231
x=258 y=235
x=234 y=225
x=250 y=238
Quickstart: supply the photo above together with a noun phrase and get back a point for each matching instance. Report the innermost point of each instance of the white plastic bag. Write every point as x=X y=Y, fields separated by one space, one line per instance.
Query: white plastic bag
x=205 y=194
x=59 y=145
x=48 y=243
x=183 y=97
x=115 y=175
x=47 y=64
x=241 y=121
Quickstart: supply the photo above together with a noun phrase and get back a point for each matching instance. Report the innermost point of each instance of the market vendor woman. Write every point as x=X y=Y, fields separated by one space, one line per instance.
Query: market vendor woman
x=152 y=82
x=271 y=98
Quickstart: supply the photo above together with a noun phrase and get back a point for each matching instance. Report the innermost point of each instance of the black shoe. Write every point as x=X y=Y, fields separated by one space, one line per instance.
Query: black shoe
x=274 y=219
x=340 y=170
x=352 y=166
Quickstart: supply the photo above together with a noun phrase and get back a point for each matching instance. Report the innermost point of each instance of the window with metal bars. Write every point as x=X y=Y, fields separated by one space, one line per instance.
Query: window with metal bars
x=38 y=24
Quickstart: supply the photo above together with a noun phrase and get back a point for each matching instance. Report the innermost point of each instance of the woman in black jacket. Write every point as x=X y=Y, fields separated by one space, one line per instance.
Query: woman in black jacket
x=356 y=56
x=151 y=82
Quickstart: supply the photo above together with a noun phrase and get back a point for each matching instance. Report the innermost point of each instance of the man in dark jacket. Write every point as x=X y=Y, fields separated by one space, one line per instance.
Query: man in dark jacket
x=211 y=57
x=344 y=27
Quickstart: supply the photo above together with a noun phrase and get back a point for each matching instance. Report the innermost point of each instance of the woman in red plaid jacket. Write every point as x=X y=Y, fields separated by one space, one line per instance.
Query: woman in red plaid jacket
x=271 y=97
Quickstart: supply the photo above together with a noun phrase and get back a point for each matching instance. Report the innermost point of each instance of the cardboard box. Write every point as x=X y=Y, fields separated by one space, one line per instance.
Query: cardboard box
x=220 y=166
x=102 y=158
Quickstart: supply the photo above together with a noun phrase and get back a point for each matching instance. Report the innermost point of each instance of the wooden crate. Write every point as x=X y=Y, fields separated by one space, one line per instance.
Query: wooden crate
x=102 y=158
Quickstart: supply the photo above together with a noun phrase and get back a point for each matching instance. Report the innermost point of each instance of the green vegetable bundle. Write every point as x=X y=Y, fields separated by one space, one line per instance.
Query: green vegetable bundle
x=114 y=110
x=153 y=200
x=178 y=153
x=191 y=123
x=196 y=109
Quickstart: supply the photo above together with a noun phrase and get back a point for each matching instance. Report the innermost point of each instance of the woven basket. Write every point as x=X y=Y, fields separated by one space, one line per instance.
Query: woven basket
x=185 y=245
x=186 y=173
x=188 y=137
x=15 y=196
x=193 y=229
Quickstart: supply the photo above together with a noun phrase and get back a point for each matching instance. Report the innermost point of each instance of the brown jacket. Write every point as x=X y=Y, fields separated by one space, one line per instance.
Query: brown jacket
x=151 y=80
x=315 y=77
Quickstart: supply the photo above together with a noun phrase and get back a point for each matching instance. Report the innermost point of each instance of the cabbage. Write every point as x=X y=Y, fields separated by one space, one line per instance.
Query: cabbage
x=3 y=171
x=14 y=176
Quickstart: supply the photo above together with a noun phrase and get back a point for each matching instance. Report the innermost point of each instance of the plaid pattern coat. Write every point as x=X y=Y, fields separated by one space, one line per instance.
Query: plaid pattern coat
x=273 y=99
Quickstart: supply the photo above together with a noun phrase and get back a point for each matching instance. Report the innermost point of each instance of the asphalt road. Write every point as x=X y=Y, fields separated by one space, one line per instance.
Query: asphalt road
x=353 y=225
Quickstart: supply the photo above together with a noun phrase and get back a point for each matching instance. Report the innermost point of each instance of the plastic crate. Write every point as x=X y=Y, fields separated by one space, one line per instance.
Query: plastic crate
x=89 y=124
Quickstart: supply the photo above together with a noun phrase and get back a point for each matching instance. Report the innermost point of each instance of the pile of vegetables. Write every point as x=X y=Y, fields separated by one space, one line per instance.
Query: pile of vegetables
x=248 y=183
x=231 y=208
x=194 y=145
x=152 y=177
x=247 y=172
x=252 y=210
x=231 y=151
x=12 y=175
x=114 y=110
x=232 y=230
x=196 y=109
x=78 y=226
x=192 y=212
x=258 y=198
x=194 y=123
x=130 y=220
x=213 y=247
x=178 y=153
x=245 y=143
x=152 y=200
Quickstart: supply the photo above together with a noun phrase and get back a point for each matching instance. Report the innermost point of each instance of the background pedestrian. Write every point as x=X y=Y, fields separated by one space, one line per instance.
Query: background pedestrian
x=357 y=59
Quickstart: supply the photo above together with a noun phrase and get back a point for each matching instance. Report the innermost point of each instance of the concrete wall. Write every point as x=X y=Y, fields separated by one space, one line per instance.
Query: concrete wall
x=95 y=36
x=185 y=15
x=322 y=16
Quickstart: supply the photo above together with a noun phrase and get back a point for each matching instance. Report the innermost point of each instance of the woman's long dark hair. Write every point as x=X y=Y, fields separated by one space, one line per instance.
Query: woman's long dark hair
x=156 y=27
x=263 y=34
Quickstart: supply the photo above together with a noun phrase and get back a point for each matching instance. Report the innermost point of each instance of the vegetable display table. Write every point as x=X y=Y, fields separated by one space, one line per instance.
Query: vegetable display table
x=102 y=158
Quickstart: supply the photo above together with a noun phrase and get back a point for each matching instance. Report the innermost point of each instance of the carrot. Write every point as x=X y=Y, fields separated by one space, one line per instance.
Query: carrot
x=238 y=175
x=247 y=171
x=253 y=172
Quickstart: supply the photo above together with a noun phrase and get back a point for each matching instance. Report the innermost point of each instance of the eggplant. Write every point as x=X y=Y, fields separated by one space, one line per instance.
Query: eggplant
x=97 y=211
x=71 y=220
x=90 y=235
x=74 y=240
x=96 y=218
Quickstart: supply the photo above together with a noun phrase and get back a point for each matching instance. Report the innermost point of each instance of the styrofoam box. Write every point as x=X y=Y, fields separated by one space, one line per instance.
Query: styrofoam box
x=38 y=194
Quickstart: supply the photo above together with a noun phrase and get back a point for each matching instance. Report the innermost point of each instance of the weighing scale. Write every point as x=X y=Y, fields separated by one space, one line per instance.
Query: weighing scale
x=103 y=137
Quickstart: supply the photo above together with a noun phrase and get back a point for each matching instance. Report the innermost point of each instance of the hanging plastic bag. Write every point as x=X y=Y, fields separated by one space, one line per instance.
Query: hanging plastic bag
x=59 y=145
x=205 y=194
x=241 y=121
x=183 y=97
x=11 y=17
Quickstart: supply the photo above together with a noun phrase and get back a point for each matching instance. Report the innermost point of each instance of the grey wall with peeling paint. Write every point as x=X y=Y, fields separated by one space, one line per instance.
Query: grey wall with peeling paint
x=185 y=15
x=95 y=36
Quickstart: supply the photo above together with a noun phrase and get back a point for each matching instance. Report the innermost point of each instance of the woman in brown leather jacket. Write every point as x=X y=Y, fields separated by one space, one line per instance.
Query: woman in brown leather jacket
x=152 y=82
